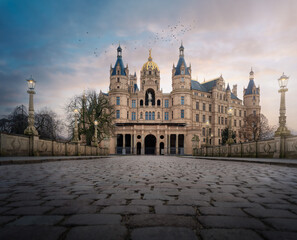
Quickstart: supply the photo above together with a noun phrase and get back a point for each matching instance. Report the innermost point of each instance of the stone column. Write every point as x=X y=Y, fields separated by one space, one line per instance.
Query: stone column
x=124 y=144
x=169 y=152
x=142 y=145
x=158 y=145
x=176 y=144
x=165 y=143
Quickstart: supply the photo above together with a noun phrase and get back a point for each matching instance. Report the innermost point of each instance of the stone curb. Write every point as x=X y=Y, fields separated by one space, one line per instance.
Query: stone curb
x=51 y=159
x=280 y=162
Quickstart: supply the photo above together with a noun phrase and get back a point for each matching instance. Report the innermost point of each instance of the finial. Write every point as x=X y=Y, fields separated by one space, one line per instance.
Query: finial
x=150 y=55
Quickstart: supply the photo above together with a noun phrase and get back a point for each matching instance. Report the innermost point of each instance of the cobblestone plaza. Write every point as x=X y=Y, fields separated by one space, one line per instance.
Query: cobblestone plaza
x=148 y=197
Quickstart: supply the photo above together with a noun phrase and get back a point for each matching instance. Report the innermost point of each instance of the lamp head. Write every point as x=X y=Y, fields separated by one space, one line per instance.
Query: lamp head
x=31 y=84
x=207 y=123
x=283 y=81
x=230 y=111
x=96 y=123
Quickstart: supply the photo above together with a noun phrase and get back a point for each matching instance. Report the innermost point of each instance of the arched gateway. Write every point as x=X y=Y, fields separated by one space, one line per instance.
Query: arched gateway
x=150 y=144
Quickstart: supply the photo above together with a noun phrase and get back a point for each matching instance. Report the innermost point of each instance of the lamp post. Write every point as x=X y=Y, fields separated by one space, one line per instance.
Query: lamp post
x=207 y=133
x=75 y=133
x=282 y=129
x=31 y=130
x=95 y=141
x=230 y=139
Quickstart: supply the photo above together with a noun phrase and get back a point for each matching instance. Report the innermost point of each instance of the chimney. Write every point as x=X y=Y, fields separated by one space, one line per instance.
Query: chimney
x=234 y=90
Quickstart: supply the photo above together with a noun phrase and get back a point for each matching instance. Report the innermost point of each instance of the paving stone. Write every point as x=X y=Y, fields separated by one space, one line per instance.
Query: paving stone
x=108 y=202
x=176 y=210
x=126 y=209
x=150 y=220
x=6 y=219
x=25 y=203
x=93 y=219
x=38 y=210
x=222 y=211
x=31 y=232
x=229 y=234
x=146 y=202
x=272 y=213
x=106 y=232
x=70 y=210
x=283 y=224
x=231 y=222
x=37 y=220
x=274 y=235
x=163 y=233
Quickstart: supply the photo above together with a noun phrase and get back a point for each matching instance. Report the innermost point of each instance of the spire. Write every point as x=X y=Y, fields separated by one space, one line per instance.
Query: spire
x=181 y=50
x=251 y=74
x=228 y=88
x=119 y=50
x=150 y=55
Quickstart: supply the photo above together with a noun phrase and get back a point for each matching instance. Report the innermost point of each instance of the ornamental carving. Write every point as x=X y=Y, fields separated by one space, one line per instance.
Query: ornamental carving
x=16 y=144
x=267 y=148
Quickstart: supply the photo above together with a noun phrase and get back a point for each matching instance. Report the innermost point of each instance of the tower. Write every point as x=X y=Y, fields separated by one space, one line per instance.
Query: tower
x=251 y=97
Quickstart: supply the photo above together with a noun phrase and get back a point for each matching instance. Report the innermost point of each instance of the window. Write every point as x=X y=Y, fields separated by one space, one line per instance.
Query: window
x=118 y=79
x=146 y=115
x=254 y=112
x=118 y=101
x=239 y=123
x=166 y=103
x=182 y=72
x=182 y=100
x=182 y=79
x=118 y=72
x=127 y=115
x=141 y=103
x=153 y=116
x=158 y=115
x=219 y=130
x=118 y=114
x=209 y=107
x=166 y=115
x=235 y=112
x=219 y=120
x=158 y=102
x=203 y=131
x=225 y=121
x=197 y=105
x=219 y=108
x=245 y=113
x=141 y=115
x=172 y=101
x=239 y=113
x=127 y=102
x=203 y=118
x=150 y=115
x=220 y=96
x=182 y=113
x=254 y=98
x=150 y=72
x=133 y=103
x=203 y=107
x=234 y=123
x=222 y=109
x=133 y=116
x=209 y=119
x=222 y=120
x=197 y=117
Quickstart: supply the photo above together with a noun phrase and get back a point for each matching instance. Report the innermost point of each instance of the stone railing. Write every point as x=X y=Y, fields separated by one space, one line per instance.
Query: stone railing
x=273 y=148
x=22 y=145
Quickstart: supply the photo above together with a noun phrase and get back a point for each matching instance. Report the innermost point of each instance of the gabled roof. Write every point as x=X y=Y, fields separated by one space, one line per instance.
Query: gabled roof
x=120 y=62
x=181 y=61
x=250 y=87
x=234 y=97
x=195 y=85
x=210 y=84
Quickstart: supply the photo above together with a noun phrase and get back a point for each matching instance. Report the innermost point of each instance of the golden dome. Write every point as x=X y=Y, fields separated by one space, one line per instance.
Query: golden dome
x=150 y=64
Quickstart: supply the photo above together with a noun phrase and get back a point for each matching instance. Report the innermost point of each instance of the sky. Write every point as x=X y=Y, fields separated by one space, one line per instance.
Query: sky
x=69 y=45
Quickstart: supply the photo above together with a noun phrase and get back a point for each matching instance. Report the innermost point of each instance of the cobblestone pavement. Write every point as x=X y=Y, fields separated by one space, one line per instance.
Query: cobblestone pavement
x=148 y=197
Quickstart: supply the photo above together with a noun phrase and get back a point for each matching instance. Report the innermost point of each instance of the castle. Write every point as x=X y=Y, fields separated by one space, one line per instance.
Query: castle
x=149 y=121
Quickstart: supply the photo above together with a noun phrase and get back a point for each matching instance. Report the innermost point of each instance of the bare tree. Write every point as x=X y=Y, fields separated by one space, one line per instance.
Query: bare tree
x=256 y=128
x=91 y=106
x=16 y=122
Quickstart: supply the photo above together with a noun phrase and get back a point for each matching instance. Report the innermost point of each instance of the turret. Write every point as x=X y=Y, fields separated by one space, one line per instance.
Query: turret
x=118 y=73
x=251 y=96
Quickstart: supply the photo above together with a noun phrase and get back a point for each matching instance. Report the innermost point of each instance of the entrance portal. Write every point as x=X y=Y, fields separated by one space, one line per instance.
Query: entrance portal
x=138 y=148
x=150 y=144
x=161 y=148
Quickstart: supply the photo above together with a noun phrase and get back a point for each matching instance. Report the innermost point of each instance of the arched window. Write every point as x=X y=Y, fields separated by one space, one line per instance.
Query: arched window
x=118 y=72
x=141 y=103
x=150 y=115
x=146 y=115
x=158 y=115
x=150 y=96
x=159 y=102
x=153 y=116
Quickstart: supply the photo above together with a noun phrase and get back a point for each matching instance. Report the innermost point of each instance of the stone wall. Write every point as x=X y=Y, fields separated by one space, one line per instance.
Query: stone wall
x=274 y=148
x=21 y=145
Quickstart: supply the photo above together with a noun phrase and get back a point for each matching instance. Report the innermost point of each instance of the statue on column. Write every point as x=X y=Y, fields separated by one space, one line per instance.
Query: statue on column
x=150 y=97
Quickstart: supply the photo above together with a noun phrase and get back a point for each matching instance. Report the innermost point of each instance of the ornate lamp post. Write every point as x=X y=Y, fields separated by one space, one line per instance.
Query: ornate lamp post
x=195 y=143
x=31 y=130
x=75 y=133
x=95 y=141
x=230 y=114
x=282 y=129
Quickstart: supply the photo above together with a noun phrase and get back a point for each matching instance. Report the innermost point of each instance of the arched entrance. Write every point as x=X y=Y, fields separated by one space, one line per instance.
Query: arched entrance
x=139 y=148
x=150 y=144
x=161 y=148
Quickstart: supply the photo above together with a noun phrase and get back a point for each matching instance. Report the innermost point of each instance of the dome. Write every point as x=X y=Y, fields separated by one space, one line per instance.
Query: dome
x=150 y=64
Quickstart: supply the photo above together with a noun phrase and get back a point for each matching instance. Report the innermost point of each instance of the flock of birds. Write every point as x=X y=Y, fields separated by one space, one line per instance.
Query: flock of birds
x=169 y=35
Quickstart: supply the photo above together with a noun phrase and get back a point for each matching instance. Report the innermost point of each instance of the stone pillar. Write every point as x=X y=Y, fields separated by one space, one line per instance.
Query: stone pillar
x=158 y=145
x=124 y=144
x=165 y=143
x=33 y=145
x=142 y=146
x=169 y=152
x=176 y=144
x=134 y=144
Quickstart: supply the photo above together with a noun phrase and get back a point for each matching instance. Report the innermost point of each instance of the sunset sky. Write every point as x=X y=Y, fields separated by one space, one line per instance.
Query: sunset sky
x=68 y=46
